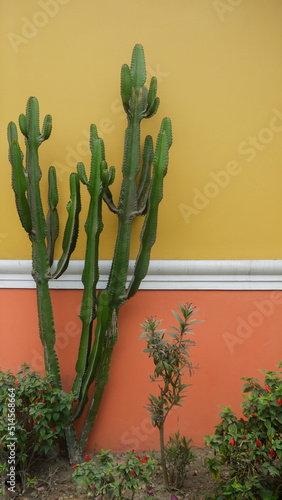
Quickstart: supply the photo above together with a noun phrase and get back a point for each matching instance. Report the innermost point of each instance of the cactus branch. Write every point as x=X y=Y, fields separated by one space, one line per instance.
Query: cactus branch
x=93 y=228
x=149 y=230
x=71 y=229
x=52 y=216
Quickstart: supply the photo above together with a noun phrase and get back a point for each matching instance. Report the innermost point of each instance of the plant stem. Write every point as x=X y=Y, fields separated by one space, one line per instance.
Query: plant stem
x=163 y=462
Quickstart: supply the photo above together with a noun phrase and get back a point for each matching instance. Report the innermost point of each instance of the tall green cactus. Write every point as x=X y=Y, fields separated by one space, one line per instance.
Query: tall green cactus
x=25 y=181
x=140 y=195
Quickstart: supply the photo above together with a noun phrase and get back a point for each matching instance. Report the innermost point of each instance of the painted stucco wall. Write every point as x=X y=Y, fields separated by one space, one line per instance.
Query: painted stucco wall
x=219 y=71
x=239 y=335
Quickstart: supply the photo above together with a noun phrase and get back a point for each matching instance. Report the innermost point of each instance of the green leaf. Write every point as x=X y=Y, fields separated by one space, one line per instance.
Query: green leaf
x=271 y=433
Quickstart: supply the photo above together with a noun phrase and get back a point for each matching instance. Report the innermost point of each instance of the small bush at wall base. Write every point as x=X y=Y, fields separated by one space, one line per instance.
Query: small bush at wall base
x=105 y=478
x=179 y=456
x=32 y=420
x=252 y=445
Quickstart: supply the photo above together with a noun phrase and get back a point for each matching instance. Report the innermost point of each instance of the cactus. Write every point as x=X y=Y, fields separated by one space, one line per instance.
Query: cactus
x=43 y=232
x=140 y=195
x=25 y=182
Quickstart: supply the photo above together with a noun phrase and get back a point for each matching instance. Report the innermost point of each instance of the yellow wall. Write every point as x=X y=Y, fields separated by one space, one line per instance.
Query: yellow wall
x=219 y=68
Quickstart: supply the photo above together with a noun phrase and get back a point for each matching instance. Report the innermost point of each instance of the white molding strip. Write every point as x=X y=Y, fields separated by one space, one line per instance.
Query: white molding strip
x=163 y=275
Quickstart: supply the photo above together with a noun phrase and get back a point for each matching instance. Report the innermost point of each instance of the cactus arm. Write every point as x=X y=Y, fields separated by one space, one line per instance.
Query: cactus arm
x=103 y=314
x=12 y=134
x=108 y=199
x=145 y=177
x=137 y=68
x=149 y=231
x=126 y=86
x=90 y=276
x=19 y=185
x=152 y=93
x=52 y=216
x=71 y=229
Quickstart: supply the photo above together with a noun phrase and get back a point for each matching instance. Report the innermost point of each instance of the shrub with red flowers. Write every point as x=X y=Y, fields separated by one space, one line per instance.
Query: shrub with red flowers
x=105 y=477
x=252 y=445
x=32 y=416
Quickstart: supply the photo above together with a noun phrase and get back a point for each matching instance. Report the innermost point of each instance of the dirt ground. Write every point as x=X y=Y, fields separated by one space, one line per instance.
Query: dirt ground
x=55 y=482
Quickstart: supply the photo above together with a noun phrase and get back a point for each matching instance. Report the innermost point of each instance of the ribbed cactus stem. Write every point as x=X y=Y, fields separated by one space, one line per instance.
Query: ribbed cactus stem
x=137 y=197
x=98 y=182
x=127 y=207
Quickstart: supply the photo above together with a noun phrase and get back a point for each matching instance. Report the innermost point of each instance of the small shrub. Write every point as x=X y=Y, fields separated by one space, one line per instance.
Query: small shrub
x=105 y=478
x=178 y=456
x=32 y=419
x=171 y=358
x=251 y=446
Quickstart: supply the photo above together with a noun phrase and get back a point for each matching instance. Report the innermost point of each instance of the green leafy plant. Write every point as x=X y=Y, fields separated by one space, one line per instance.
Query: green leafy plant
x=140 y=195
x=32 y=419
x=251 y=445
x=178 y=456
x=170 y=357
x=106 y=478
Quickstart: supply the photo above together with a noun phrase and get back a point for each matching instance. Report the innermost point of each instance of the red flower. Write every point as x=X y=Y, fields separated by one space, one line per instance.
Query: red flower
x=132 y=450
x=43 y=400
x=133 y=473
x=87 y=458
x=93 y=486
x=35 y=422
x=146 y=458
x=253 y=415
x=39 y=415
x=242 y=420
x=244 y=437
x=143 y=461
x=37 y=399
x=258 y=443
x=272 y=453
x=232 y=441
x=74 y=467
x=0 y=444
x=279 y=401
x=16 y=383
x=137 y=456
x=267 y=388
x=54 y=430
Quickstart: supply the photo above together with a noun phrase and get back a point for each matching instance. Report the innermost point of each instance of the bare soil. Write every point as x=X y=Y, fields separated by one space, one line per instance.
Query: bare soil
x=55 y=482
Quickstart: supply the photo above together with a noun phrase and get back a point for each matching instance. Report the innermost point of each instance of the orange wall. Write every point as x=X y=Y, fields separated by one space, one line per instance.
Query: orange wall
x=239 y=336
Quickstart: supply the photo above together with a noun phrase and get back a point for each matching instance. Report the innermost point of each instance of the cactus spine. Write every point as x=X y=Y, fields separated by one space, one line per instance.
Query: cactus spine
x=140 y=195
